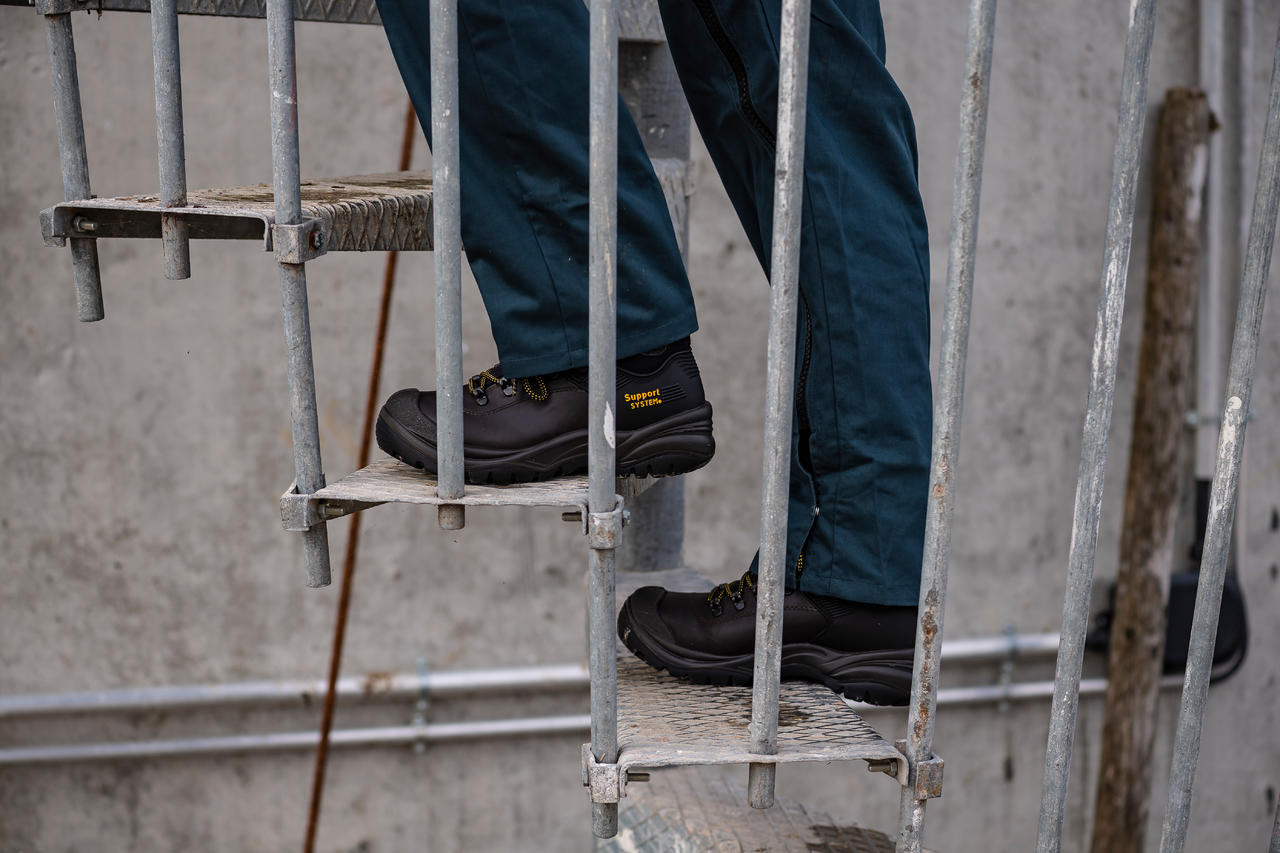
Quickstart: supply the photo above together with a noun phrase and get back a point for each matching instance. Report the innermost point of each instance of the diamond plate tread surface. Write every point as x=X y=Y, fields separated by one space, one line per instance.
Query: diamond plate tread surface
x=695 y=809
x=666 y=721
x=360 y=213
x=390 y=481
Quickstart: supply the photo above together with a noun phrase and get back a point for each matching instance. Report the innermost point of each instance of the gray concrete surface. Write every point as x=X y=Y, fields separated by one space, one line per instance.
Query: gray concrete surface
x=142 y=457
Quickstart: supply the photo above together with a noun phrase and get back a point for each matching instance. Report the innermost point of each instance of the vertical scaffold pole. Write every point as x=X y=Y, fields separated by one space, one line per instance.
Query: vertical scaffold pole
x=605 y=512
x=1226 y=478
x=293 y=280
x=445 y=204
x=965 y=208
x=788 y=190
x=169 y=135
x=1097 y=425
x=75 y=158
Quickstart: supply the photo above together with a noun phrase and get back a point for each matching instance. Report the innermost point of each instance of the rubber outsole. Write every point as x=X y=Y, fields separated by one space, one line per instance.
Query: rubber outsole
x=675 y=445
x=876 y=677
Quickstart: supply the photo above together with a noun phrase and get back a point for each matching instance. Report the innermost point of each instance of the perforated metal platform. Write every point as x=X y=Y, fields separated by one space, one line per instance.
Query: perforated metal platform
x=665 y=721
x=361 y=213
x=695 y=809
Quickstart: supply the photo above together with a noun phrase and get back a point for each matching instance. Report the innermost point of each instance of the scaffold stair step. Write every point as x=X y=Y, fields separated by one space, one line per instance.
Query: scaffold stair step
x=665 y=721
x=361 y=213
x=390 y=481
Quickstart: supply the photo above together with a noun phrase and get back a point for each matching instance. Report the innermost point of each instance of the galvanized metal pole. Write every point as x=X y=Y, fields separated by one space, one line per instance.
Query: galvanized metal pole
x=293 y=280
x=169 y=135
x=788 y=193
x=1226 y=478
x=1274 y=847
x=75 y=159
x=1097 y=424
x=965 y=208
x=445 y=204
x=602 y=358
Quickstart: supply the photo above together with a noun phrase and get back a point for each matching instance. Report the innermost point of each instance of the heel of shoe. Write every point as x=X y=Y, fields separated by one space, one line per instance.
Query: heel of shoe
x=675 y=445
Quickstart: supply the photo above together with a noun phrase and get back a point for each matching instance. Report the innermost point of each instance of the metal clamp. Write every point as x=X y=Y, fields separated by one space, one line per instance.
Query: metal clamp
x=925 y=778
x=420 y=707
x=603 y=529
x=298 y=512
x=297 y=244
x=604 y=780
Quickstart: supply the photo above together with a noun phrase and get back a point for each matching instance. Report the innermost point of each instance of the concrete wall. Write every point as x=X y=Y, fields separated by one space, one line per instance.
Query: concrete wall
x=142 y=458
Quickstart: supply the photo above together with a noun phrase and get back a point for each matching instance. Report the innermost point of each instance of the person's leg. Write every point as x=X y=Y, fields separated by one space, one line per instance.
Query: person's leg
x=863 y=414
x=860 y=444
x=522 y=78
x=523 y=113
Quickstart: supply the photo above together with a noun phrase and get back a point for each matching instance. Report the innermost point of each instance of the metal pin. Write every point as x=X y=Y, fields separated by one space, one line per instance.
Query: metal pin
x=602 y=357
x=1097 y=424
x=1226 y=478
x=293 y=281
x=446 y=201
x=780 y=390
x=75 y=159
x=173 y=163
x=965 y=208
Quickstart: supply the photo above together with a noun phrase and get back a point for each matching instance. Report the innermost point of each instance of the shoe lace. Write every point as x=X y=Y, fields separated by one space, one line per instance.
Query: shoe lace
x=733 y=590
x=534 y=386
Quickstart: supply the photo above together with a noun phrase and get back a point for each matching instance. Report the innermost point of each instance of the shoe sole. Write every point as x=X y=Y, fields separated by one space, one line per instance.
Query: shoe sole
x=674 y=445
x=875 y=677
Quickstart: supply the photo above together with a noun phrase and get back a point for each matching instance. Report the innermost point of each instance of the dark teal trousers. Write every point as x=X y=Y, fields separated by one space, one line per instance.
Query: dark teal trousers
x=860 y=442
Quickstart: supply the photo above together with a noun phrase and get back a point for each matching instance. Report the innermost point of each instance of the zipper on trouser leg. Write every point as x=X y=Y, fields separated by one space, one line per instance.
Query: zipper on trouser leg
x=716 y=29
x=739 y=68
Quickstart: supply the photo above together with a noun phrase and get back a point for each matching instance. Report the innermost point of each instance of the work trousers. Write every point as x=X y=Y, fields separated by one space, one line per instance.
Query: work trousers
x=861 y=431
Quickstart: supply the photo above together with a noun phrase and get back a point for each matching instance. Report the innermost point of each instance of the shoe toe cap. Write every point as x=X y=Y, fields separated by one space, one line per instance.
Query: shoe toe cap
x=413 y=409
x=642 y=613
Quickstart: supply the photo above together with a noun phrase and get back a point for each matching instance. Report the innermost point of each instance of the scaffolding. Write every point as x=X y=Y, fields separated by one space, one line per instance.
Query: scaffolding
x=633 y=708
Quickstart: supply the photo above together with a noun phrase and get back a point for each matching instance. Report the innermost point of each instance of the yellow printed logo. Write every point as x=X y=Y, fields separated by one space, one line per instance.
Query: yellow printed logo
x=644 y=398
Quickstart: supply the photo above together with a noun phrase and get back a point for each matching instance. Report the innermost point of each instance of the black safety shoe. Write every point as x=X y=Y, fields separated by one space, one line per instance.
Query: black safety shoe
x=863 y=651
x=535 y=428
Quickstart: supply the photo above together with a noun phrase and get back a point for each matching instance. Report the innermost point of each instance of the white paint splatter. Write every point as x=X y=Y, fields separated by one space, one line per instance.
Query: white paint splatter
x=608 y=424
x=1199 y=170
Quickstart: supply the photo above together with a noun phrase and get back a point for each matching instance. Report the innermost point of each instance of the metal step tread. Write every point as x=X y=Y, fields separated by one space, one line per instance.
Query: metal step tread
x=665 y=721
x=359 y=213
x=392 y=481
x=698 y=808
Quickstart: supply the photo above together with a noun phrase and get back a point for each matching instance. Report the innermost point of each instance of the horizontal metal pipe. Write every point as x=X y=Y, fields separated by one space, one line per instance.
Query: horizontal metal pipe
x=284 y=741
x=372 y=685
x=408 y=685
x=444 y=732
x=995 y=693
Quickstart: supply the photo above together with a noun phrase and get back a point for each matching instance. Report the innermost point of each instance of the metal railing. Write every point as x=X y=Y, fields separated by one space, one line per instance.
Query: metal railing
x=292 y=235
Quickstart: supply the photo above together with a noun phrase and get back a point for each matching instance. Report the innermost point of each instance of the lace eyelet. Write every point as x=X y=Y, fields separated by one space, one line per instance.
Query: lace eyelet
x=482 y=399
x=739 y=604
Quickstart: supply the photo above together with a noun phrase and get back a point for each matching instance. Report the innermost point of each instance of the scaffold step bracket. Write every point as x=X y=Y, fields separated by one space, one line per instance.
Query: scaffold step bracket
x=360 y=213
x=665 y=721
